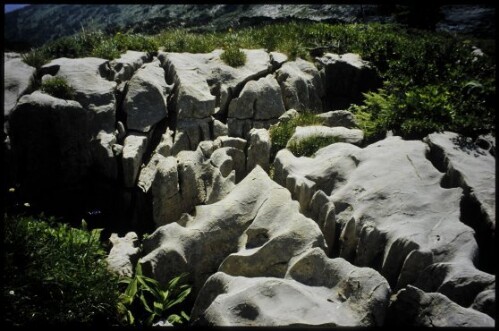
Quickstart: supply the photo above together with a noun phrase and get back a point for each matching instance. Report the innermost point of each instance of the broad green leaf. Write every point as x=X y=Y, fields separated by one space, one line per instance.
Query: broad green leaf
x=131 y=290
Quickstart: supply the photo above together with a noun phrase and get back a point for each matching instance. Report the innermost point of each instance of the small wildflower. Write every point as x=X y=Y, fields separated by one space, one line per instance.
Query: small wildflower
x=11 y=292
x=26 y=204
x=12 y=190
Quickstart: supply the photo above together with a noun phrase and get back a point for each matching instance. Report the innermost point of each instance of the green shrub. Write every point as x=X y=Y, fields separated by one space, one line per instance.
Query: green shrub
x=35 y=58
x=233 y=56
x=107 y=49
x=281 y=132
x=55 y=274
x=144 y=302
x=310 y=145
x=58 y=87
x=135 y=42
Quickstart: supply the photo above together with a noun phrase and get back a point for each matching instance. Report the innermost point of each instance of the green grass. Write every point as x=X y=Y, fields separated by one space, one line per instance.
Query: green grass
x=55 y=274
x=58 y=87
x=428 y=76
x=310 y=145
x=282 y=131
x=233 y=56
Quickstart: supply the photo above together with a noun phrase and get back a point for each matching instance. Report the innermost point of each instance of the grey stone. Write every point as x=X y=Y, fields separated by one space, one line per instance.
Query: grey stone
x=339 y=118
x=125 y=66
x=18 y=80
x=258 y=150
x=133 y=152
x=124 y=254
x=339 y=133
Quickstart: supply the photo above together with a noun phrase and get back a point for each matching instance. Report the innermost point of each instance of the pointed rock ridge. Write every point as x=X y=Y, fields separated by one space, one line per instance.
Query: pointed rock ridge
x=339 y=118
x=413 y=307
x=301 y=85
x=316 y=289
x=133 y=152
x=18 y=80
x=241 y=234
x=89 y=78
x=406 y=225
x=124 y=254
x=258 y=150
x=339 y=133
x=204 y=86
x=474 y=170
x=54 y=161
x=259 y=100
x=345 y=78
x=125 y=66
x=145 y=101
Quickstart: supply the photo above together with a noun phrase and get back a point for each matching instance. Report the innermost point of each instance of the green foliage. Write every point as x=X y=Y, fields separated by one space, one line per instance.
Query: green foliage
x=55 y=274
x=107 y=49
x=310 y=145
x=144 y=302
x=233 y=56
x=179 y=40
x=58 y=87
x=281 y=132
x=35 y=58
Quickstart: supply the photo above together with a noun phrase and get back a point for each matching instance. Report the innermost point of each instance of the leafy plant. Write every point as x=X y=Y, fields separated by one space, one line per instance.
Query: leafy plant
x=107 y=49
x=282 y=131
x=310 y=145
x=58 y=87
x=233 y=56
x=144 y=302
x=55 y=274
x=35 y=58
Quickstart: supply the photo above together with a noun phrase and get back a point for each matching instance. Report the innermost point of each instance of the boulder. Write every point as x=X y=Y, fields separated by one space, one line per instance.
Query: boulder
x=485 y=302
x=244 y=239
x=342 y=118
x=413 y=307
x=50 y=140
x=133 y=152
x=345 y=78
x=104 y=160
x=393 y=215
x=339 y=133
x=219 y=129
x=18 y=80
x=125 y=66
x=301 y=85
x=145 y=101
x=317 y=290
x=165 y=144
x=258 y=150
x=289 y=114
x=474 y=170
x=124 y=254
x=89 y=78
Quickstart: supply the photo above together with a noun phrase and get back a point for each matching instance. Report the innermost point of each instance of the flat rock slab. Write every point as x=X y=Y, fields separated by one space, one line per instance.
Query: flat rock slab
x=339 y=133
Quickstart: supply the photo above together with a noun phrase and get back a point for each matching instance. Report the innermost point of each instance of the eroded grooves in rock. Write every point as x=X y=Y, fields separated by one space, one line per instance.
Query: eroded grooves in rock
x=315 y=291
x=472 y=168
x=256 y=221
x=391 y=214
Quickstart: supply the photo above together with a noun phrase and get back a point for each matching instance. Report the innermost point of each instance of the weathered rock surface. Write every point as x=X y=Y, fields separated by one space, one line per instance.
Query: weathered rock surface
x=242 y=234
x=50 y=141
x=391 y=214
x=302 y=86
x=339 y=133
x=474 y=170
x=125 y=66
x=89 y=77
x=133 y=152
x=413 y=307
x=258 y=150
x=345 y=78
x=124 y=254
x=145 y=102
x=18 y=80
x=316 y=291
x=342 y=118
x=259 y=100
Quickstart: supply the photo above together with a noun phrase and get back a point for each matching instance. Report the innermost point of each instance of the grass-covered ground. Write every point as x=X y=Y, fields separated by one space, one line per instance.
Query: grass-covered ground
x=432 y=81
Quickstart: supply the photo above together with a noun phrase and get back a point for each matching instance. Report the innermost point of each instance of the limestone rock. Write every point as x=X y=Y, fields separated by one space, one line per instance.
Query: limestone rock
x=89 y=77
x=413 y=307
x=165 y=144
x=147 y=173
x=133 y=152
x=145 y=101
x=346 y=77
x=258 y=150
x=339 y=118
x=289 y=114
x=219 y=129
x=339 y=133
x=246 y=238
x=317 y=290
x=301 y=84
x=50 y=141
x=18 y=80
x=406 y=225
x=125 y=66
x=124 y=254
x=485 y=302
x=103 y=156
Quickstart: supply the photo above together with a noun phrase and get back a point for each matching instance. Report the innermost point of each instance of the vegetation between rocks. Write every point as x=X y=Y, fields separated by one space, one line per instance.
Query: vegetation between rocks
x=58 y=87
x=308 y=146
x=57 y=275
